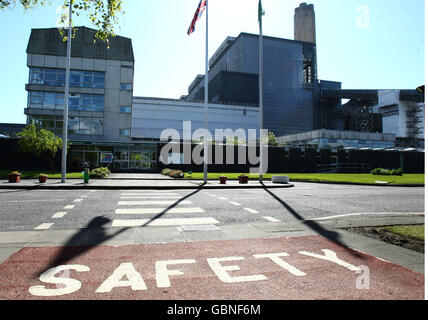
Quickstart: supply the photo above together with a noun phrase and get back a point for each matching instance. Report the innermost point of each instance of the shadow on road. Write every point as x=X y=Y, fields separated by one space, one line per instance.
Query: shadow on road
x=319 y=229
x=95 y=234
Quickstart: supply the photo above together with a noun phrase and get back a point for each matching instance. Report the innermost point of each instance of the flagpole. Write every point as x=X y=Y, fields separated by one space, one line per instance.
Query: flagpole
x=66 y=99
x=261 y=90
x=206 y=104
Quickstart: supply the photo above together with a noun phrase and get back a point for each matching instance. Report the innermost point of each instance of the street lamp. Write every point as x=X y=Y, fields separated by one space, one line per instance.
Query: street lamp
x=66 y=99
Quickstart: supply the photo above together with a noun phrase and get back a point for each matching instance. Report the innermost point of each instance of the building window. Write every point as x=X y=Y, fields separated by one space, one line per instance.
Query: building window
x=308 y=77
x=125 y=132
x=56 y=78
x=125 y=109
x=55 y=101
x=126 y=86
x=76 y=125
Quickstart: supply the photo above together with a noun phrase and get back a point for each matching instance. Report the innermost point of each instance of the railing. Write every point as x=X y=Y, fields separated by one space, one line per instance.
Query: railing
x=345 y=167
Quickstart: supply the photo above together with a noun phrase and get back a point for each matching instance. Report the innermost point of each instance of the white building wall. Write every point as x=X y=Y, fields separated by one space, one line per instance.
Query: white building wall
x=151 y=116
x=397 y=124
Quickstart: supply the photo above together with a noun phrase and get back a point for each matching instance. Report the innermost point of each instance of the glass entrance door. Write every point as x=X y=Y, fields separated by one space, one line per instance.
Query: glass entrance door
x=136 y=158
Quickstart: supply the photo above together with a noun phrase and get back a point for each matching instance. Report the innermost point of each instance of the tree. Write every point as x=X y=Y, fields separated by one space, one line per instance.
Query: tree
x=41 y=143
x=272 y=140
x=103 y=14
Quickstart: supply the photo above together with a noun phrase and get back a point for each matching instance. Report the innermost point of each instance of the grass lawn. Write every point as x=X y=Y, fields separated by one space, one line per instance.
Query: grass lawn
x=333 y=177
x=35 y=175
x=417 y=231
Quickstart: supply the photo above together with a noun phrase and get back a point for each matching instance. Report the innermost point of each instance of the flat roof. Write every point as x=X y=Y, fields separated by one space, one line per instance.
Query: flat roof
x=49 y=42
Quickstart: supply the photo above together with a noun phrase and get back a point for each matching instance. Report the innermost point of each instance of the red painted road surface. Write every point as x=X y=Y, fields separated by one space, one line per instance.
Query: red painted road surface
x=301 y=268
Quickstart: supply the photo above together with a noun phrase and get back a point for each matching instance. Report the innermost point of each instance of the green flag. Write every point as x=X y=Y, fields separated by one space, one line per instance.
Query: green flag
x=261 y=11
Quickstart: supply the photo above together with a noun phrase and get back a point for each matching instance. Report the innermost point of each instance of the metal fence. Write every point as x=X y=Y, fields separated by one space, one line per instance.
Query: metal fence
x=345 y=167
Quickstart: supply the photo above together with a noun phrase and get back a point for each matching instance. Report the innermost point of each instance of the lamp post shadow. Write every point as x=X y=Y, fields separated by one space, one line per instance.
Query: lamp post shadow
x=313 y=225
x=95 y=234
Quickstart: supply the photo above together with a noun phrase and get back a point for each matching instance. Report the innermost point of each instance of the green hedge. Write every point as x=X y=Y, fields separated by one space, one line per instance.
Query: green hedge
x=386 y=172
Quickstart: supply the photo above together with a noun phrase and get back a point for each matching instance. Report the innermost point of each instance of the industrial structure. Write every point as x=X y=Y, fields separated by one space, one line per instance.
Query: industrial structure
x=300 y=109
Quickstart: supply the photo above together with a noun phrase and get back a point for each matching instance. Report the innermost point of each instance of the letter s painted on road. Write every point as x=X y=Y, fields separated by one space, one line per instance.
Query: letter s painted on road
x=70 y=285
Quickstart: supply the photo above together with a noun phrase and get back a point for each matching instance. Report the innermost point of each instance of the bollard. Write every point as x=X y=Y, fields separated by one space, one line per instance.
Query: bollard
x=86 y=175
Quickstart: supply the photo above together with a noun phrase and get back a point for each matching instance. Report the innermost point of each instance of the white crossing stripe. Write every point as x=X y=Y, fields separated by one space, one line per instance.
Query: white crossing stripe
x=149 y=194
x=164 y=222
x=271 y=219
x=223 y=198
x=59 y=215
x=151 y=197
x=251 y=210
x=44 y=226
x=158 y=210
x=235 y=203
x=69 y=207
x=142 y=203
x=78 y=200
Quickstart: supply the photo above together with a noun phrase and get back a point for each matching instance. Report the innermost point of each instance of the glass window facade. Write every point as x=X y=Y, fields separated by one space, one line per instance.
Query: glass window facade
x=126 y=109
x=126 y=86
x=342 y=143
x=125 y=132
x=76 y=125
x=56 y=78
x=55 y=101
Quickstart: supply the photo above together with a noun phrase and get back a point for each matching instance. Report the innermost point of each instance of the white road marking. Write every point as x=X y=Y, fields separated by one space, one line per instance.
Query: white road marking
x=158 y=210
x=44 y=226
x=271 y=219
x=151 y=197
x=59 y=215
x=371 y=213
x=163 y=222
x=19 y=201
x=78 y=200
x=235 y=203
x=149 y=194
x=69 y=207
x=142 y=203
x=251 y=210
x=223 y=198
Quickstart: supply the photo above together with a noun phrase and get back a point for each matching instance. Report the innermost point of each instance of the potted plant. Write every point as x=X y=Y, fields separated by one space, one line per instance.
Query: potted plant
x=14 y=177
x=243 y=179
x=43 y=178
x=222 y=179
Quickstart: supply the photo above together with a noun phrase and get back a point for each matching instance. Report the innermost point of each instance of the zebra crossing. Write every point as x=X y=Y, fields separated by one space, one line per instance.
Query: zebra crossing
x=153 y=209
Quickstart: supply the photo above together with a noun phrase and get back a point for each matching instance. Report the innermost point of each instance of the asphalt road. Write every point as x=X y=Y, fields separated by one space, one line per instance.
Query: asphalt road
x=26 y=210
x=81 y=244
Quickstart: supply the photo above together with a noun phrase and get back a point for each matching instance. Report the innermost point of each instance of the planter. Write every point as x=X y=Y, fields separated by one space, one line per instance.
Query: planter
x=280 y=179
x=43 y=179
x=14 y=178
x=243 y=179
x=222 y=180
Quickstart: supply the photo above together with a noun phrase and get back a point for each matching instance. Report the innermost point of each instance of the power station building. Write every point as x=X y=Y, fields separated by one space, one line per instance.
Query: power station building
x=105 y=117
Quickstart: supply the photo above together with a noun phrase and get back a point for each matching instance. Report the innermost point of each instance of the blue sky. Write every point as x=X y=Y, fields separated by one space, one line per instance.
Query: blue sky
x=365 y=44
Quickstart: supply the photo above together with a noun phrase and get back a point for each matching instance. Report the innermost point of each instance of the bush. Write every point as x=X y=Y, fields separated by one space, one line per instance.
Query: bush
x=386 y=172
x=177 y=174
x=397 y=172
x=100 y=173
x=166 y=172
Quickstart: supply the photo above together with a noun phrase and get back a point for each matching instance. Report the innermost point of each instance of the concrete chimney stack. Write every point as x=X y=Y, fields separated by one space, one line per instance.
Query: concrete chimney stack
x=304 y=23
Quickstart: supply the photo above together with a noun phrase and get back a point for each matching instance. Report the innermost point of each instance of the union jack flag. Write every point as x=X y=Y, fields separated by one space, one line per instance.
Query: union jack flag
x=199 y=11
